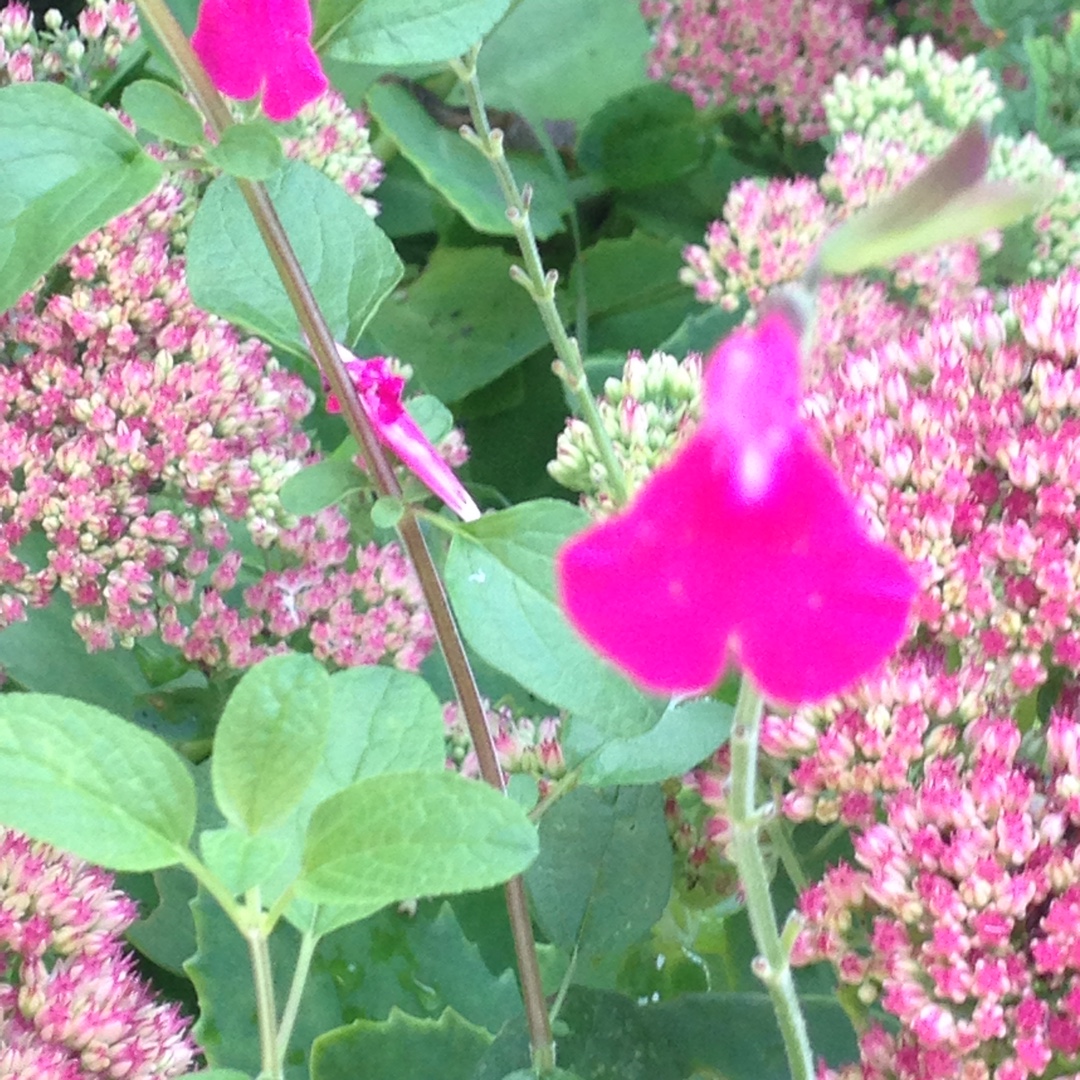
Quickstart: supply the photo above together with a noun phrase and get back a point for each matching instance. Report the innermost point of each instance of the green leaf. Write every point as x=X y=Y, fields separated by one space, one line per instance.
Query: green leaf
x=381 y=721
x=318 y=486
x=251 y=151
x=420 y=964
x=562 y=59
x=166 y=935
x=603 y=876
x=401 y=1048
x=435 y=419
x=270 y=740
x=45 y=653
x=651 y=135
x=160 y=110
x=461 y=323
x=68 y=168
x=947 y=201
x=396 y=32
x=242 y=861
x=632 y=288
x=76 y=776
x=221 y=1074
x=685 y=735
x=460 y=173
x=629 y=272
x=349 y=262
x=499 y=574
x=702 y=331
x=403 y=835
x=387 y=512
x=608 y=1036
x=751 y=1047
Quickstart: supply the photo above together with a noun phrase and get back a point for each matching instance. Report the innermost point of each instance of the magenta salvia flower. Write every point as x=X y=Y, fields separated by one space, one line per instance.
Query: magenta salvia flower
x=380 y=393
x=744 y=543
x=72 y=1006
x=260 y=46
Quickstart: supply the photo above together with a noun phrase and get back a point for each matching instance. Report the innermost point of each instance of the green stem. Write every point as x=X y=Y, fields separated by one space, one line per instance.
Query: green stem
x=773 y=965
x=308 y=942
x=324 y=350
x=540 y=285
x=263 y=975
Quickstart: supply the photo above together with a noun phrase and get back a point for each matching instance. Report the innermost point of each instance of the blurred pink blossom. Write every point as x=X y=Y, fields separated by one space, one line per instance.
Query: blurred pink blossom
x=260 y=46
x=744 y=542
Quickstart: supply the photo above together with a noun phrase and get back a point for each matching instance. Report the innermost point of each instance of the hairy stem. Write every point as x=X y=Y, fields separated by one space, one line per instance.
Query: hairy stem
x=773 y=965
x=539 y=285
x=308 y=942
x=324 y=351
x=263 y=975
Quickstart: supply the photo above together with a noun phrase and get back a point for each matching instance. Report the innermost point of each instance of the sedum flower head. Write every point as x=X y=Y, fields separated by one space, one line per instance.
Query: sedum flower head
x=959 y=914
x=82 y=56
x=921 y=100
x=646 y=413
x=918 y=94
x=523 y=744
x=774 y=57
x=336 y=140
x=72 y=1006
x=960 y=441
x=769 y=234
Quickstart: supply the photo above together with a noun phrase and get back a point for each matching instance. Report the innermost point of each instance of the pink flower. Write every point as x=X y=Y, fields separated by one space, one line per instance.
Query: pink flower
x=380 y=395
x=745 y=543
x=260 y=46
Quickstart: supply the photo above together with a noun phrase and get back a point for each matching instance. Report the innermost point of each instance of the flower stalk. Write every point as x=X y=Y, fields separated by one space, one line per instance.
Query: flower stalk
x=331 y=366
x=773 y=964
x=540 y=285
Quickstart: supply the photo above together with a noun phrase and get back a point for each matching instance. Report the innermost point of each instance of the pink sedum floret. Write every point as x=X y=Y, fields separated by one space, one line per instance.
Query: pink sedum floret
x=743 y=545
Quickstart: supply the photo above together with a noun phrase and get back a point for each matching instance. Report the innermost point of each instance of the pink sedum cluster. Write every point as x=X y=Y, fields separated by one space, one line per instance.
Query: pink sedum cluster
x=335 y=139
x=523 y=744
x=960 y=914
x=770 y=231
x=81 y=56
x=962 y=441
x=145 y=444
x=72 y=1006
x=772 y=57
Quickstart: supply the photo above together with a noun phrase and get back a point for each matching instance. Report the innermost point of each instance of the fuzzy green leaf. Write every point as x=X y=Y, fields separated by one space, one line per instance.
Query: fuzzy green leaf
x=270 y=740
x=349 y=262
x=686 y=734
x=160 y=110
x=251 y=151
x=396 y=32
x=403 y=835
x=68 y=168
x=83 y=779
